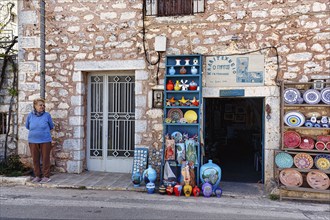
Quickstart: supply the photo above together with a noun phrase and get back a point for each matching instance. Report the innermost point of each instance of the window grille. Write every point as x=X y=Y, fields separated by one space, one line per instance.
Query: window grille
x=3 y=123
x=173 y=7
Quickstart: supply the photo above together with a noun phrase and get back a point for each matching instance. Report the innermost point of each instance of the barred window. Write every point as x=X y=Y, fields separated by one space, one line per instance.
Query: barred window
x=173 y=7
x=3 y=122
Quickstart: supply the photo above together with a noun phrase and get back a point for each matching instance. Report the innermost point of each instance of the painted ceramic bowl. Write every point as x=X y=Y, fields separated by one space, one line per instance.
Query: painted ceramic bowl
x=291 y=95
x=291 y=177
x=307 y=143
x=291 y=139
x=303 y=161
x=283 y=160
x=320 y=145
x=318 y=180
x=322 y=161
x=294 y=119
x=312 y=96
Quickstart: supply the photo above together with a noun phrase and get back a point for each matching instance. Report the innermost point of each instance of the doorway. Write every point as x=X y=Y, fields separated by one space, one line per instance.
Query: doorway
x=111 y=122
x=233 y=137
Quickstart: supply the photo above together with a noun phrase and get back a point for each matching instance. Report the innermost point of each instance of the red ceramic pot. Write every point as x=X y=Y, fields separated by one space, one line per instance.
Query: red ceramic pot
x=170 y=85
x=177 y=189
x=196 y=191
x=169 y=190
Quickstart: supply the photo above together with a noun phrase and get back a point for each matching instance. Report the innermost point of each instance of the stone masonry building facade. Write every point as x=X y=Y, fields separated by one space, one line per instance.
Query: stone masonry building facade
x=101 y=36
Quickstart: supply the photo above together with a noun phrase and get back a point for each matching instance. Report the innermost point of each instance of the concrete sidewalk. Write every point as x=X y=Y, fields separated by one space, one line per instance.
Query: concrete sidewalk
x=122 y=182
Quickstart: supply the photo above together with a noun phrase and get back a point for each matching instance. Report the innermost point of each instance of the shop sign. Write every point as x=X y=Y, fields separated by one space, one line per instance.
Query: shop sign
x=232 y=92
x=240 y=70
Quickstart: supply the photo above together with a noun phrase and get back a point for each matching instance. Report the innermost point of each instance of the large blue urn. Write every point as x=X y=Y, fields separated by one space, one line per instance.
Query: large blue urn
x=149 y=175
x=210 y=173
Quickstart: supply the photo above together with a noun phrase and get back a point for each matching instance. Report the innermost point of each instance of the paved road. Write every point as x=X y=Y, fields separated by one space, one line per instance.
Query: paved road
x=52 y=203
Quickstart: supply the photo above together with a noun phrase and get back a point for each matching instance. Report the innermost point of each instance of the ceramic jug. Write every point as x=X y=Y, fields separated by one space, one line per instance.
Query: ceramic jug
x=210 y=173
x=193 y=70
x=171 y=70
x=183 y=70
x=207 y=189
x=149 y=175
x=177 y=86
x=192 y=85
x=170 y=85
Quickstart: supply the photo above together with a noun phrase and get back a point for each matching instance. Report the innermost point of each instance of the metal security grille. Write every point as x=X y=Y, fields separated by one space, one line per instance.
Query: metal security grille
x=173 y=7
x=121 y=115
x=112 y=115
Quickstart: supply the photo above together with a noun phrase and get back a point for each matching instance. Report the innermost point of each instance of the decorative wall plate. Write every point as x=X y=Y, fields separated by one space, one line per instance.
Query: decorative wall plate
x=307 y=143
x=318 y=180
x=303 y=161
x=294 y=119
x=325 y=95
x=322 y=161
x=291 y=177
x=291 y=95
x=312 y=96
x=175 y=114
x=283 y=160
x=177 y=136
x=190 y=116
x=291 y=139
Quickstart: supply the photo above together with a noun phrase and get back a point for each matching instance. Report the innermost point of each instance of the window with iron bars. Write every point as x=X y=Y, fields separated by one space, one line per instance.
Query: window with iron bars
x=3 y=123
x=173 y=7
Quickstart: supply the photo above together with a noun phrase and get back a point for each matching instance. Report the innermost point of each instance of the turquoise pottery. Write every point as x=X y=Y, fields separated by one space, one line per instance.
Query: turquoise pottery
x=210 y=173
x=136 y=179
x=149 y=175
x=283 y=160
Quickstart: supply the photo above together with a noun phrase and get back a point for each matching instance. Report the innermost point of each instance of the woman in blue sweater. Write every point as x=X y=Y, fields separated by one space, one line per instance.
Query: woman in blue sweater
x=40 y=123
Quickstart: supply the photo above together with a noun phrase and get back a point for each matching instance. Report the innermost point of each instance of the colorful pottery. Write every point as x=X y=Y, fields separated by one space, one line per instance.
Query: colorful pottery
x=291 y=139
x=162 y=190
x=192 y=85
x=177 y=62
x=169 y=190
x=207 y=190
x=283 y=160
x=190 y=116
x=325 y=95
x=191 y=153
x=195 y=61
x=177 y=189
x=322 y=161
x=291 y=177
x=312 y=96
x=210 y=173
x=187 y=189
x=307 y=143
x=136 y=179
x=186 y=61
x=170 y=85
x=177 y=86
x=318 y=180
x=183 y=70
x=193 y=70
x=303 y=161
x=291 y=95
x=320 y=145
x=150 y=187
x=149 y=175
x=180 y=152
x=171 y=70
x=196 y=191
x=294 y=119
x=218 y=192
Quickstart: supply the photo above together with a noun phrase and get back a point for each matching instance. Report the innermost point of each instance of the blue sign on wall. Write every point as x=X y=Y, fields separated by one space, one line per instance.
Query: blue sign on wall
x=232 y=92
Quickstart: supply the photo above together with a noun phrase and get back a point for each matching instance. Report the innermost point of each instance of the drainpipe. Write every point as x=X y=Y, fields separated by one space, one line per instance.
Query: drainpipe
x=42 y=49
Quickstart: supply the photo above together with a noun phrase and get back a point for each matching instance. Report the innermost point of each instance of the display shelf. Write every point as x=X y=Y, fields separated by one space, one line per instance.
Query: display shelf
x=188 y=99
x=307 y=110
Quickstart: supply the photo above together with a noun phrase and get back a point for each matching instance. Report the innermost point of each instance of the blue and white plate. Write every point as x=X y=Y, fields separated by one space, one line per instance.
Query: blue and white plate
x=294 y=119
x=312 y=96
x=291 y=95
x=284 y=160
x=325 y=95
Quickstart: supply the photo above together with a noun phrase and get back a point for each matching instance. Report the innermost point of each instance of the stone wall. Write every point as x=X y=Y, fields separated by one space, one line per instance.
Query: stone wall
x=293 y=32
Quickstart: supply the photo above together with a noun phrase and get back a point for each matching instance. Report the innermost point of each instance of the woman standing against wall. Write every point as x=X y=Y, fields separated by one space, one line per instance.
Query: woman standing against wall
x=40 y=123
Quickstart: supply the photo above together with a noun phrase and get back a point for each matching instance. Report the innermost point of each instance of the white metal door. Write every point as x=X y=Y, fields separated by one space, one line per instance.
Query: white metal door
x=111 y=122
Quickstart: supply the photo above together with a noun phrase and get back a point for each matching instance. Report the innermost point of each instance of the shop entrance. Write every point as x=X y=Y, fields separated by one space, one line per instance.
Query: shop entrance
x=233 y=137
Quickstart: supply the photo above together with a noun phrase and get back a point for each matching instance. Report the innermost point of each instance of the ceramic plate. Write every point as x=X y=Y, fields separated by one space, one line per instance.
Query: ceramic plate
x=322 y=161
x=291 y=95
x=325 y=95
x=307 y=143
x=312 y=96
x=318 y=180
x=283 y=160
x=291 y=177
x=175 y=114
x=291 y=139
x=177 y=136
x=303 y=161
x=190 y=116
x=294 y=119
x=320 y=145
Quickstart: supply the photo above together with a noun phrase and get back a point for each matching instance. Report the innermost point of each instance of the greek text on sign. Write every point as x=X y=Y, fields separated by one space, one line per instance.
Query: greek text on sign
x=241 y=70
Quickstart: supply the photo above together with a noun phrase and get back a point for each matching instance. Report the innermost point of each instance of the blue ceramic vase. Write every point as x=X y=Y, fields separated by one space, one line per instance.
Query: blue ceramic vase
x=211 y=173
x=149 y=175
x=150 y=187
x=171 y=70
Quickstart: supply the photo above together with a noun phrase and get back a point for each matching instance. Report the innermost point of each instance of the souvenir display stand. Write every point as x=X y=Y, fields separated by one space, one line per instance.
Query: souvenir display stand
x=303 y=163
x=182 y=118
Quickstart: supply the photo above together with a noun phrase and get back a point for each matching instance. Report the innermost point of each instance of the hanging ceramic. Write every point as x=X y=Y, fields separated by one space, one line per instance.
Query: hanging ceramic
x=325 y=95
x=171 y=70
x=291 y=95
x=283 y=160
x=191 y=153
x=312 y=96
x=294 y=119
